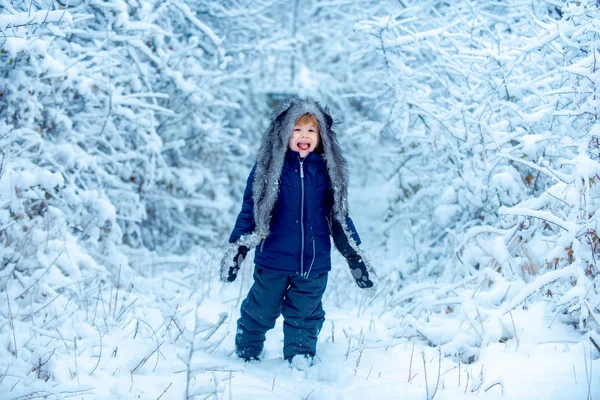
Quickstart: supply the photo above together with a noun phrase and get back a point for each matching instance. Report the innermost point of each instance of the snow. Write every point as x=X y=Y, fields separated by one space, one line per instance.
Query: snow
x=8 y=21
x=127 y=130
x=446 y=213
x=359 y=357
x=15 y=45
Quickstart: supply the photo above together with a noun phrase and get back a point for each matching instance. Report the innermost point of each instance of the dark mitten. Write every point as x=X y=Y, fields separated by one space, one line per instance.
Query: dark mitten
x=231 y=271
x=359 y=271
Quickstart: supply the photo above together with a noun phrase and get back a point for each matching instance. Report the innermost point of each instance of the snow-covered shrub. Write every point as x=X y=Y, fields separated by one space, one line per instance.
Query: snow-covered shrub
x=119 y=139
x=491 y=112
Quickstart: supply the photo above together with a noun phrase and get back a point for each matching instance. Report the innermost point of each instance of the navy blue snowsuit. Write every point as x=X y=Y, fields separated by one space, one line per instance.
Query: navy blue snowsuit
x=292 y=263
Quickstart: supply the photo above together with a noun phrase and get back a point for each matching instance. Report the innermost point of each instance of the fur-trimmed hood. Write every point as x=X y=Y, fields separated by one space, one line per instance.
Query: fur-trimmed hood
x=263 y=186
x=271 y=155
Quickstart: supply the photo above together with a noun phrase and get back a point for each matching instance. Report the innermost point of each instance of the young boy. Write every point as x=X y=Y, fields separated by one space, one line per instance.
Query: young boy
x=295 y=198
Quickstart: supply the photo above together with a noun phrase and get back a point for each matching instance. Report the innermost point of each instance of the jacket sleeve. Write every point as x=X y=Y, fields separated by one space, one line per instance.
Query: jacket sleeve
x=244 y=223
x=340 y=236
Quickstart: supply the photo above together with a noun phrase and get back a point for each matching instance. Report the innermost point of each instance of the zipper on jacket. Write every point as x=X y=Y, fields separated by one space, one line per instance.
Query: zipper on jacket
x=302 y=216
x=313 y=260
x=262 y=244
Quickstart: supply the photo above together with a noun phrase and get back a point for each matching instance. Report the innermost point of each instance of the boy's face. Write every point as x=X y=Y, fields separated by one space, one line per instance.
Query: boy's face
x=304 y=139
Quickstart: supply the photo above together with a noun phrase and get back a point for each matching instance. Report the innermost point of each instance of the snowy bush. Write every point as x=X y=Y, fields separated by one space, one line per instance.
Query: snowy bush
x=117 y=145
x=127 y=129
x=493 y=131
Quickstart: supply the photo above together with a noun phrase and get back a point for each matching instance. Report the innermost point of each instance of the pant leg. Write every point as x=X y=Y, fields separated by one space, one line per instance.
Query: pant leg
x=259 y=311
x=303 y=315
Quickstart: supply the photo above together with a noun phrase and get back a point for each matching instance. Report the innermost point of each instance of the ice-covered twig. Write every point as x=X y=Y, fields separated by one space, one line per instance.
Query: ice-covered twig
x=21 y=19
x=133 y=102
x=425 y=371
x=595 y=344
x=514 y=327
x=146 y=358
x=101 y=346
x=439 y=374
x=11 y=321
x=117 y=292
x=156 y=339
x=535 y=286
x=544 y=215
x=222 y=317
x=57 y=393
x=190 y=353
x=75 y=355
x=546 y=170
x=410 y=364
x=41 y=276
x=185 y=9
x=164 y=391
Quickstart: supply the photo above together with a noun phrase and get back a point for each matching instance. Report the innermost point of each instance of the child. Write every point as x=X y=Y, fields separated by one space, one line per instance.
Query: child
x=295 y=198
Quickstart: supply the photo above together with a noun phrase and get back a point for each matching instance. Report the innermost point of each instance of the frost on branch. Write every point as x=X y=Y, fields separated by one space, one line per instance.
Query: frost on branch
x=496 y=167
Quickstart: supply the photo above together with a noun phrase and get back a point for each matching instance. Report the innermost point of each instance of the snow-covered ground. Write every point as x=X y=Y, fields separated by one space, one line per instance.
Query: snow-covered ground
x=168 y=330
x=361 y=355
x=127 y=129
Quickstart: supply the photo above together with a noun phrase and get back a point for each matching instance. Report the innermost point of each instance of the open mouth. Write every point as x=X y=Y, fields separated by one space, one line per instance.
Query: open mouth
x=304 y=145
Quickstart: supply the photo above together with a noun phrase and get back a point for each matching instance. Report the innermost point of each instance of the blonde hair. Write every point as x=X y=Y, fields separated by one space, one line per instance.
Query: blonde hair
x=307 y=119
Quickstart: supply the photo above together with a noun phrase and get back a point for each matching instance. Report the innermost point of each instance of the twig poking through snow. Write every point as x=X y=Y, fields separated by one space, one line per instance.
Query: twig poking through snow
x=410 y=365
x=11 y=322
x=494 y=384
x=425 y=369
x=76 y=366
x=117 y=292
x=164 y=391
x=332 y=332
x=358 y=359
x=99 y=355
x=437 y=384
x=41 y=276
x=514 y=328
x=595 y=344
x=222 y=317
x=143 y=361
x=191 y=352
x=588 y=372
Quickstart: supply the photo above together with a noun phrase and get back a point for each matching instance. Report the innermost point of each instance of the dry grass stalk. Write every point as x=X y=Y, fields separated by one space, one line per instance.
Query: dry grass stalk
x=425 y=370
x=495 y=384
x=410 y=364
x=164 y=391
x=101 y=346
x=358 y=359
x=117 y=293
x=11 y=321
x=514 y=328
x=76 y=366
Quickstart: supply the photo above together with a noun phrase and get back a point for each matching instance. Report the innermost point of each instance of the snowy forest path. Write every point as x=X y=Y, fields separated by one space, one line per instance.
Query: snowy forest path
x=363 y=356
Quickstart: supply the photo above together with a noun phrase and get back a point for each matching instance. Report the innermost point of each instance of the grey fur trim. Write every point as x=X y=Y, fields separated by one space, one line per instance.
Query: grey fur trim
x=271 y=156
x=250 y=241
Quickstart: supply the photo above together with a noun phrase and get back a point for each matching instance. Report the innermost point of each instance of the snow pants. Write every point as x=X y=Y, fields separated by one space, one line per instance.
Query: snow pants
x=275 y=293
